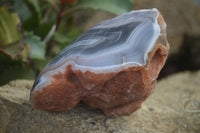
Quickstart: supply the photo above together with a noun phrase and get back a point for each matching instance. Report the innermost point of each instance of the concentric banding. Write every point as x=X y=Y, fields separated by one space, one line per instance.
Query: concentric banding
x=110 y=46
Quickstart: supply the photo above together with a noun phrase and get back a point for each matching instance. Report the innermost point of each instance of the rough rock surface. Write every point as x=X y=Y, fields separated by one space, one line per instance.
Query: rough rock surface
x=174 y=107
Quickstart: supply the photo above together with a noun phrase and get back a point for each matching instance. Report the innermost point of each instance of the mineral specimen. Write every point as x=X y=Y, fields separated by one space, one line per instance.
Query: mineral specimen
x=112 y=66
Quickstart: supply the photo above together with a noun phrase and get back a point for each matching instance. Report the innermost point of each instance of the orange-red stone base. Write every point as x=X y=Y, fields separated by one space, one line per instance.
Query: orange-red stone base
x=119 y=93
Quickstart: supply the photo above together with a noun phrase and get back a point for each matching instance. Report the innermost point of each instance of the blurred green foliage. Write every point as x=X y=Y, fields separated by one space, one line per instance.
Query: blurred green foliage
x=30 y=33
x=8 y=26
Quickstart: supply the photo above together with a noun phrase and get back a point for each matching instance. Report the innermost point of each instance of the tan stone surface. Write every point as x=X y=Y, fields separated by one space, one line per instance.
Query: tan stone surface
x=174 y=107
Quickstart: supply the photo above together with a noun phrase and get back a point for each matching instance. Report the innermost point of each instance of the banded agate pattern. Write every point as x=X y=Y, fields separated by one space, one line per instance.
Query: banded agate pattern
x=113 y=66
x=126 y=39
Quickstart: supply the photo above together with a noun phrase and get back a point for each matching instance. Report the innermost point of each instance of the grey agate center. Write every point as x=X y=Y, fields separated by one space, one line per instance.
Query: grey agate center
x=114 y=42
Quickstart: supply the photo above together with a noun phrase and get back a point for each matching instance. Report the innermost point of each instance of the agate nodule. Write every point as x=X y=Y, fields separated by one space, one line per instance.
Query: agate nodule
x=113 y=66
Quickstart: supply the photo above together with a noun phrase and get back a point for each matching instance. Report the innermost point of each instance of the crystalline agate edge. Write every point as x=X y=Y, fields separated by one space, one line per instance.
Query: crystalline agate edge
x=59 y=63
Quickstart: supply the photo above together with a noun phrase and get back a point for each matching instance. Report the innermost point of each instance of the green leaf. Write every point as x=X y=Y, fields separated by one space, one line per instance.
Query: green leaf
x=16 y=73
x=3 y=2
x=36 y=6
x=44 y=27
x=40 y=64
x=54 y=4
x=61 y=38
x=64 y=37
x=10 y=37
x=17 y=51
x=22 y=9
x=8 y=27
x=14 y=69
x=37 y=46
x=25 y=53
x=27 y=14
x=113 y=6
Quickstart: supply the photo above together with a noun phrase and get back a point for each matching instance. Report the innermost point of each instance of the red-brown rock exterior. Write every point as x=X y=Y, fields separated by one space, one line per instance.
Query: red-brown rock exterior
x=112 y=66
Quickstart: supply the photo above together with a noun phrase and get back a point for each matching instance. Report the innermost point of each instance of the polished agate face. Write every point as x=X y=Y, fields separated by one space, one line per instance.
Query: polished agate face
x=124 y=40
x=110 y=46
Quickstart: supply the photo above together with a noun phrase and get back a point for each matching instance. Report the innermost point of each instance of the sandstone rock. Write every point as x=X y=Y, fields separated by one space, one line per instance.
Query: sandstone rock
x=174 y=107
